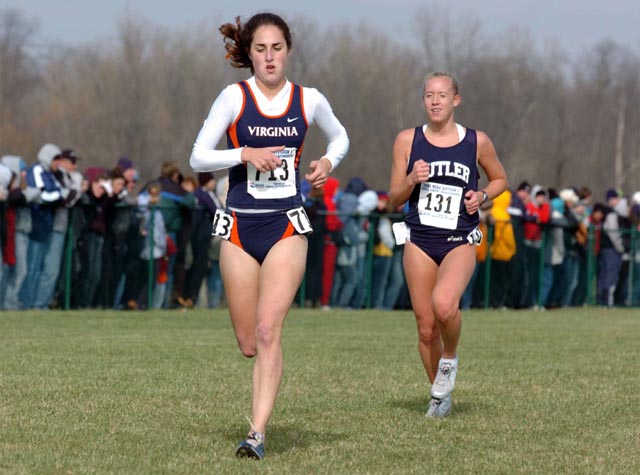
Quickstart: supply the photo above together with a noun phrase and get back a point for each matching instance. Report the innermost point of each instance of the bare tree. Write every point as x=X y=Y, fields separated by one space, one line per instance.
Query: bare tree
x=448 y=44
x=18 y=78
x=145 y=92
x=375 y=88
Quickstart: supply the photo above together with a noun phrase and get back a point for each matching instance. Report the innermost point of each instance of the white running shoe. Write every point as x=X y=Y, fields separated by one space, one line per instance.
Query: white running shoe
x=439 y=407
x=445 y=379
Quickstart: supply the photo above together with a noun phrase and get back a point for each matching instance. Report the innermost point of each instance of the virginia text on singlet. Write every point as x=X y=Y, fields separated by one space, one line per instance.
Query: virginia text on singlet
x=279 y=188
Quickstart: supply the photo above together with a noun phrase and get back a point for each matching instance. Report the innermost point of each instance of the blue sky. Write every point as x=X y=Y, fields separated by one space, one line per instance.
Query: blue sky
x=574 y=24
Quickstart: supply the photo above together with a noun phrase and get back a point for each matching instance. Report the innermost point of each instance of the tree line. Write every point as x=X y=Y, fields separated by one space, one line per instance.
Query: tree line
x=555 y=119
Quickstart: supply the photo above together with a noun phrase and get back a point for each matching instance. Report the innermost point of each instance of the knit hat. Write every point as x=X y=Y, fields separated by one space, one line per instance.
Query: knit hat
x=568 y=195
x=94 y=173
x=524 y=186
x=205 y=177
x=70 y=155
x=124 y=163
x=612 y=193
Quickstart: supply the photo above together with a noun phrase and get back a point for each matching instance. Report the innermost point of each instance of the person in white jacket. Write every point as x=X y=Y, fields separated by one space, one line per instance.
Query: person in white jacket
x=14 y=274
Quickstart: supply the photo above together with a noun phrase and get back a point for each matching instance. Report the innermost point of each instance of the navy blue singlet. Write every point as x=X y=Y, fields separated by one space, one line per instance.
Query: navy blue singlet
x=456 y=166
x=254 y=129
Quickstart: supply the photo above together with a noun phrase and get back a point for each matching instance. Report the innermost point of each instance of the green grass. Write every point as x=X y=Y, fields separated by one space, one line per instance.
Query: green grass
x=168 y=392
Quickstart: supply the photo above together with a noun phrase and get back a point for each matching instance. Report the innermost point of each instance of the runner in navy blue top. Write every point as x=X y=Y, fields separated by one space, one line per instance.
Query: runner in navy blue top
x=435 y=168
x=264 y=247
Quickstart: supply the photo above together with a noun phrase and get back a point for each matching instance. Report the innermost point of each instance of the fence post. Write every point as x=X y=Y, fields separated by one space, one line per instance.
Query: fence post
x=590 y=265
x=487 y=267
x=635 y=250
x=628 y=300
x=67 y=264
x=373 y=225
x=541 y=265
x=151 y=259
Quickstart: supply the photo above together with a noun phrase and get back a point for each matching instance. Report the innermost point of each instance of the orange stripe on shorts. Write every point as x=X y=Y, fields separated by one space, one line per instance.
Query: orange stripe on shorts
x=288 y=232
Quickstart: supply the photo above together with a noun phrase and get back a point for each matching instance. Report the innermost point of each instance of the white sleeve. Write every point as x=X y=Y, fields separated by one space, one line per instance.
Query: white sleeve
x=224 y=111
x=318 y=110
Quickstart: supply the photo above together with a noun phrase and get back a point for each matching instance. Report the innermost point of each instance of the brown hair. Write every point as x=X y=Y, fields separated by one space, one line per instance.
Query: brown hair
x=168 y=169
x=190 y=180
x=117 y=173
x=238 y=37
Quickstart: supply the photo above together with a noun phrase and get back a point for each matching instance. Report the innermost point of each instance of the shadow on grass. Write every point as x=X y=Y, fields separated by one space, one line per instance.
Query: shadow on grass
x=419 y=405
x=416 y=404
x=283 y=438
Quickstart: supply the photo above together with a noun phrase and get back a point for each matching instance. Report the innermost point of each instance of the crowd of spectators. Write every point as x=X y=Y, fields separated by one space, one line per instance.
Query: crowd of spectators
x=116 y=243
x=552 y=249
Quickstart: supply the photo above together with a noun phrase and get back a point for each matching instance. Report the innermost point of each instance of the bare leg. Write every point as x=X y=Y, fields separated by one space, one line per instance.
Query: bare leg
x=241 y=277
x=453 y=276
x=281 y=276
x=420 y=271
x=259 y=300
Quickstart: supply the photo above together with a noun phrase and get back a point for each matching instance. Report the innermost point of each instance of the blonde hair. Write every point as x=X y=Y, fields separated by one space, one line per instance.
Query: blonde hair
x=439 y=74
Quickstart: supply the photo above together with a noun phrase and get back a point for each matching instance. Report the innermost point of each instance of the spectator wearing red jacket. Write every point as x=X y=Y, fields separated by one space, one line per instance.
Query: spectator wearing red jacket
x=538 y=214
x=333 y=226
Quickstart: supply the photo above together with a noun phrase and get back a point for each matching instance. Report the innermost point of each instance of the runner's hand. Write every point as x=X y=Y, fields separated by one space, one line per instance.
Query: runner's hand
x=318 y=172
x=263 y=159
x=471 y=201
x=419 y=173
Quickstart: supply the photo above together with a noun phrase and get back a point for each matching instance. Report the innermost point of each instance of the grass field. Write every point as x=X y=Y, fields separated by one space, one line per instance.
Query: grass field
x=167 y=392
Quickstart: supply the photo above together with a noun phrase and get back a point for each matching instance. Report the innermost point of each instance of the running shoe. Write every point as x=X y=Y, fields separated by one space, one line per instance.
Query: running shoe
x=252 y=447
x=439 y=407
x=445 y=379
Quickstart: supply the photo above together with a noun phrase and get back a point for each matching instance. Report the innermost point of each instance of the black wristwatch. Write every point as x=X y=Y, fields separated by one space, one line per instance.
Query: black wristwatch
x=485 y=197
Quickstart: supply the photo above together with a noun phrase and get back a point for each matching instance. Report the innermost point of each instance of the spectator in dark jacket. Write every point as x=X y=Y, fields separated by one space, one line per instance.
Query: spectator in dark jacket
x=316 y=211
x=634 y=217
x=609 y=254
x=207 y=204
x=518 y=293
x=96 y=204
x=49 y=177
x=176 y=205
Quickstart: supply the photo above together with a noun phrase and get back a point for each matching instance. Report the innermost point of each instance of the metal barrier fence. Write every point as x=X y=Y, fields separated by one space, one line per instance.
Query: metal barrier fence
x=631 y=280
x=590 y=276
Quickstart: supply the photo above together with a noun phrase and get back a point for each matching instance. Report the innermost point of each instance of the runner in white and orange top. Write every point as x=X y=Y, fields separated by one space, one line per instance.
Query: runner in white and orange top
x=263 y=254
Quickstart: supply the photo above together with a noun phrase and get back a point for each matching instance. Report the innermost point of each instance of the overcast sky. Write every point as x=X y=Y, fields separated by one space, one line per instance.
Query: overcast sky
x=575 y=24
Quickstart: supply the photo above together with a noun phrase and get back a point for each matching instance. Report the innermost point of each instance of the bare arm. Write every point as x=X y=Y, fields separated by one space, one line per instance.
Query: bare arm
x=489 y=162
x=402 y=184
